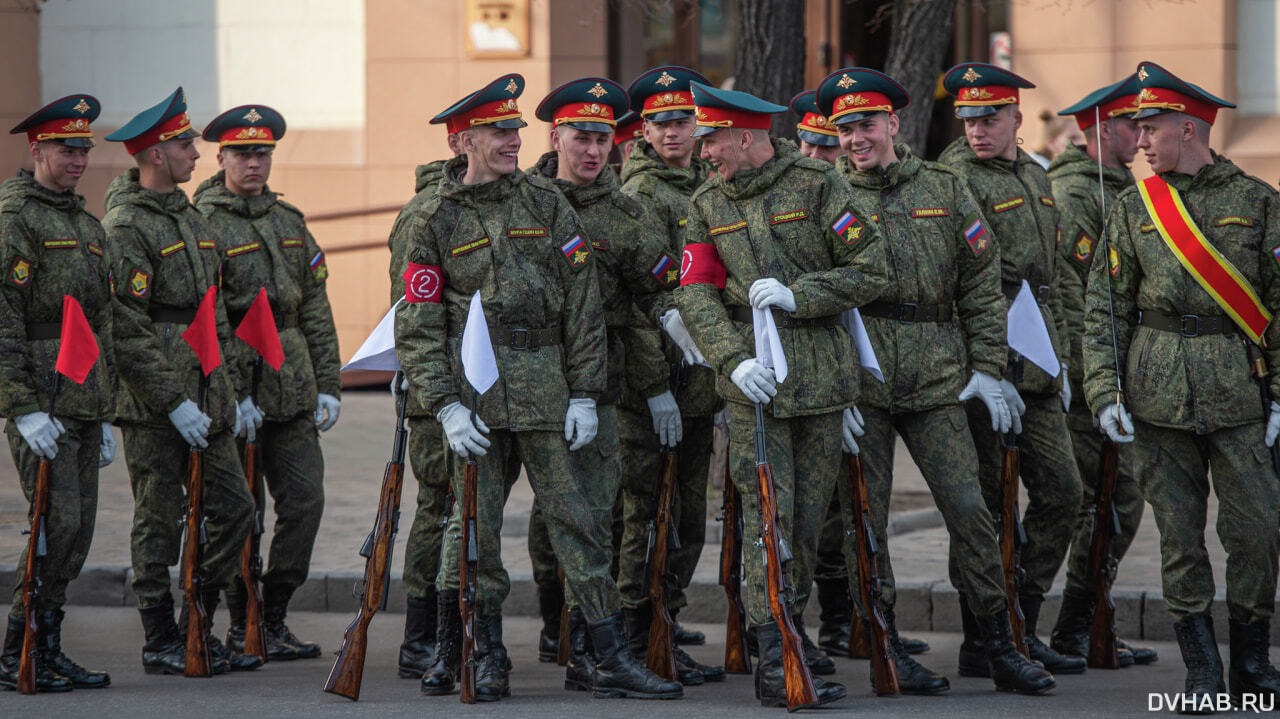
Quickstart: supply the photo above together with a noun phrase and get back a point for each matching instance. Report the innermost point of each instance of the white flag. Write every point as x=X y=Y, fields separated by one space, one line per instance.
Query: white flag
x=768 y=346
x=1028 y=335
x=378 y=353
x=852 y=319
x=478 y=363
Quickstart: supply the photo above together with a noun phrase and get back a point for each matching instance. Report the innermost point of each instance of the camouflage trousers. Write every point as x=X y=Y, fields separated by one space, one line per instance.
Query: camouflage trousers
x=831 y=565
x=157 y=461
x=1050 y=476
x=73 y=506
x=641 y=463
x=1173 y=468
x=806 y=457
x=942 y=447
x=429 y=458
x=566 y=506
x=1087 y=443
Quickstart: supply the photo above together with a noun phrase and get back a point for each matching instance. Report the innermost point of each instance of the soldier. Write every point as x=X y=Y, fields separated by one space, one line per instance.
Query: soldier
x=164 y=257
x=630 y=129
x=1192 y=257
x=777 y=230
x=1015 y=197
x=50 y=247
x=269 y=246
x=514 y=238
x=1111 y=140
x=940 y=315
x=816 y=134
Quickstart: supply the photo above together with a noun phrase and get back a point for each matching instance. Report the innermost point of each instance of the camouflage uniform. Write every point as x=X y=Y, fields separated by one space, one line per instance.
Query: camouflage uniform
x=926 y=214
x=1017 y=202
x=507 y=239
x=50 y=246
x=777 y=221
x=164 y=256
x=267 y=245
x=1075 y=191
x=1192 y=398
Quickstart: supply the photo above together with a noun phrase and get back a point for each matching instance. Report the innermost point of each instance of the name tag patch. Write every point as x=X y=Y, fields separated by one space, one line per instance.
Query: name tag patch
x=599 y=244
x=1232 y=220
x=206 y=245
x=791 y=216
x=732 y=227
x=920 y=212
x=166 y=251
x=60 y=244
x=1009 y=204
x=1046 y=201
x=526 y=232
x=242 y=249
x=469 y=247
x=93 y=249
x=293 y=242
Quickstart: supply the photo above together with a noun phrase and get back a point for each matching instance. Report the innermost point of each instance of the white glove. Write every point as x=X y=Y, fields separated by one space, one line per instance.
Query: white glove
x=675 y=329
x=852 y=426
x=41 y=432
x=580 y=421
x=1017 y=407
x=1118 y=425
x=989 y=390
x=464 y=437
x=327 y=409
x=107 y=452
x=666 y=418
x=1065 y=393
x=755 y=380
x=192 y=424
x=1273 y=424
x=768 y=292
x=248 y=420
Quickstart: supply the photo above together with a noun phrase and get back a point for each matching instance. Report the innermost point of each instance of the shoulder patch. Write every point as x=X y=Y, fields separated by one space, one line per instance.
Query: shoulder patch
x=1217 y=222
x=19 y=272
x=318 y=267
x=293 y=241
x=1009 y=204
x=576 y=251
x=1113 y=259
x=61 y=244
x=166 y=251
x=847 y=227
x=471 y=246
x=526 y=232
x=1046 y=201
x=920 y=212
x=243 y=249
x=789 y=216
x=975 y=233
x=139 y=284
x=665 y=270
x=731 y=227
x=1083 y=248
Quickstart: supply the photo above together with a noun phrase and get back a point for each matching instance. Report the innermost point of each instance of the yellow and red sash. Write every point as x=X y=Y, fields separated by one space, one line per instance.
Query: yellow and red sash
x=1210 y=268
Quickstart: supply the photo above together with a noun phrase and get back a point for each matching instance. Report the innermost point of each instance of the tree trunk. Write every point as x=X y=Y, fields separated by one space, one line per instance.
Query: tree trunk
x=921 y=33
x=770 y=55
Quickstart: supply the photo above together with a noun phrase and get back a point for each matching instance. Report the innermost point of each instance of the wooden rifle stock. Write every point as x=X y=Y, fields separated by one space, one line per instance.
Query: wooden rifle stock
x=198 y=661
x=737 y=659
x=348 y=669
x=467 y=582
x=36 y=550
x=660 y=657
x=255 y=639
x=883 y=671
x=1102 y=562
x=1011 y=540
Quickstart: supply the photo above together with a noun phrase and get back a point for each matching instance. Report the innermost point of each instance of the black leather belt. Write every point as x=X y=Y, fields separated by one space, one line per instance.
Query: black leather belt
x=908 y=313
x=785 y=319
x=1187 y=325
x=283 y=322
x=1040 y=292
x=523 y=338
x=168 y=313
x=44 y=331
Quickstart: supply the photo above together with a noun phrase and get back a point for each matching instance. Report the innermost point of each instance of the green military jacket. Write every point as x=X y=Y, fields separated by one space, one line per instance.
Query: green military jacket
x=939 y=253
x=163 y=257
x=1017 y=203
x=778 y=220
x=1075 y=191
x=266 y=244
x=1200 y=384
x=665 y=192
x=519 y=243
x=50 y=247
x=633 y=266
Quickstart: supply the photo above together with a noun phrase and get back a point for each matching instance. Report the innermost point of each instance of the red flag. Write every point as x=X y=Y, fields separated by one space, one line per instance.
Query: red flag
x=258 y=329
x=79 y=349
x=202 y=333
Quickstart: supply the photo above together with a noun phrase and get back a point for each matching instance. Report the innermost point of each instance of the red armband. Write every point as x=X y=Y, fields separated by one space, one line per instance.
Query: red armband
x=422 y=283
x=701 y=265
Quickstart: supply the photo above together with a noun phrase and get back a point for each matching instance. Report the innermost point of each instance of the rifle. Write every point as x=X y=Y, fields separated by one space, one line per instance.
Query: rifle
x=198 y=661
x=467 y=575
x=661 y=652
x=255 y=641
x=1012 y=535
x=736 y=656
x=883 y=671
x=1102 y=562
x=799 y=682
x=37 y=549
x=348 y=669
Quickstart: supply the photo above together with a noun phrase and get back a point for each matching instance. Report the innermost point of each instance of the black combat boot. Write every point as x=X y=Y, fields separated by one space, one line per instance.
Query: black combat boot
x=973 y=650
x=913 y=677
x=687 y=637
x=1141 y=655
x=581 y=665
x=491 y=660
x=1011 y=671
x=550 y=602
x=617 y=673
x=1071 y=632
x=52 y=656
x=686 y=664
x=237 y=612
x=47 y=680
x=771 y=683
x=1039 y=651
x=443 y=673
x=1251 y=670
x=1199 y=649
x=418 y=650
x=224 y=658
x=836 y=614
x=818 y=661
x=638 y=622
x=281 y=643
x=165 y=651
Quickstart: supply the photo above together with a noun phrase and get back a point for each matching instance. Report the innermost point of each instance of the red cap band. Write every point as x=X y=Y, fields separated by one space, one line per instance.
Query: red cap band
x=486 y=114
x=247 y=136
x=1166 y=99
x=166 y=130
x=988 y=95
x=667 y=102
x=720 y=117
x=860 y=102
x=59 y=129
x=813 y=122
x=583 y=112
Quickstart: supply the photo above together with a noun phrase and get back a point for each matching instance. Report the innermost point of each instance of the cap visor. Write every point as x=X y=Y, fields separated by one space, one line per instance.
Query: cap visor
x=514 y=123
x=249 y=148
x=855 y=117
x=669 y=115
x=971 y=111
x=85 y=142
x=590 y=126
x=817 y=138
x=1149 y=112
x=703 y=130
x=186 y=134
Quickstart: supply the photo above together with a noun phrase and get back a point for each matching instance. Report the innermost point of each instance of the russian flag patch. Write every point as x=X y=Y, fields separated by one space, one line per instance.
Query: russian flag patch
x=976 y=235
x=847 y=228
x=665 y=271
x=576 y=251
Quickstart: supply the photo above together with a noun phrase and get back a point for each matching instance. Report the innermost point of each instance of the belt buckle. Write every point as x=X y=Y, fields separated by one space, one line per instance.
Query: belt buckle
x=1194 y=324
x=908 y=318
x=519 y=339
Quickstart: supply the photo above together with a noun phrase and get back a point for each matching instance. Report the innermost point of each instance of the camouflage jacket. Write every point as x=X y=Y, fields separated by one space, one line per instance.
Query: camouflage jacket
x=938 y=253
x=163 y=257
x=1075 y=191
x=1017 y=203
x=1201 y=383
x=780 y=220
x=519 y=243
x=50 y=247
x=266 y=244
x=633 y=267
x=665 y=192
